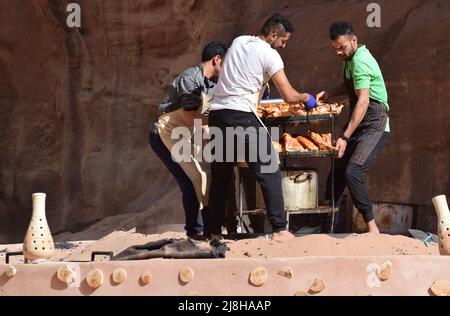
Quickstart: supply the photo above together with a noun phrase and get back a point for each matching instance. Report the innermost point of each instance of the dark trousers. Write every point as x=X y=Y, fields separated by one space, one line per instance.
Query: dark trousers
x=221 y=172
x=353 y=175
x=191 y=205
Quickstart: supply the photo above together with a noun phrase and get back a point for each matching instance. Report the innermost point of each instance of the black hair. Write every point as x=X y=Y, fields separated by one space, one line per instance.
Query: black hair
x=277 y=23
x=213 y=49
x=338 y=29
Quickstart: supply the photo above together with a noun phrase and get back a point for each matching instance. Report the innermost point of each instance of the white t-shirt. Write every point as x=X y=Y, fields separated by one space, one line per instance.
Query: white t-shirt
x=250 y=62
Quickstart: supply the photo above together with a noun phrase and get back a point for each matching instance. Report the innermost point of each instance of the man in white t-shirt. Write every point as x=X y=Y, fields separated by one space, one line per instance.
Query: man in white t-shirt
x=251 y=62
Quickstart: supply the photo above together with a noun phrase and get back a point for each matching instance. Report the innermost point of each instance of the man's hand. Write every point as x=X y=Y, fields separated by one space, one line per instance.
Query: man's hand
x=311 y=103
x=322 y=97
x=341 y=146
x=205 y=129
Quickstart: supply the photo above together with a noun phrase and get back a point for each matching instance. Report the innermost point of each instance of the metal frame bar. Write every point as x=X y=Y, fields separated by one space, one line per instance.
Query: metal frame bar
x=101 y=253
x=14 y=254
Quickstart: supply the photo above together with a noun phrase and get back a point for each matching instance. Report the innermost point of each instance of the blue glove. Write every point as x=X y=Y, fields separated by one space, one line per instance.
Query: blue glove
x=311 y=103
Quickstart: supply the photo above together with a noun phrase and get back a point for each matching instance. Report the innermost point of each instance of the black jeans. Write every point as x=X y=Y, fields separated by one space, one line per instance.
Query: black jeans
x=265 y=166
x=353 y=176
x=191 y=205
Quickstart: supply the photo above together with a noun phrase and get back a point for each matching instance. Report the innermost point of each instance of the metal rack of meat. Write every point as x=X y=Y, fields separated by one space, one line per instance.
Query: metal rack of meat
x=276 y=113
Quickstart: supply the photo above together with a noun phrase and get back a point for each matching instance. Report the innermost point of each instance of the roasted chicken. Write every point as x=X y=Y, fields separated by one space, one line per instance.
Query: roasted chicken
x=305 y=142
x=313 y=142
x=274 y=110
x=322 y=141
x=291 y=144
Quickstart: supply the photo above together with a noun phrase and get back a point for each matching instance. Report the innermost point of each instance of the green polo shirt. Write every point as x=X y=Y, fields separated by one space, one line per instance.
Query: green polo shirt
x=366 y=74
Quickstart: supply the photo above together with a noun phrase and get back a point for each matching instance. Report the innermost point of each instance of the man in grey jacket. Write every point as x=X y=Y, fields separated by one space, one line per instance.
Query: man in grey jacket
x=181 y=105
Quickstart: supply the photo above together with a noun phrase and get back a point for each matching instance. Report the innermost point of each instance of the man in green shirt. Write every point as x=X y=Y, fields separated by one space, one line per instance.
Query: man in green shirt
x=368 y=128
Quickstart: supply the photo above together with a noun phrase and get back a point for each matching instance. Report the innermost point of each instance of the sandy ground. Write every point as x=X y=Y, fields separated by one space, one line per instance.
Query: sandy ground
x=310 y=245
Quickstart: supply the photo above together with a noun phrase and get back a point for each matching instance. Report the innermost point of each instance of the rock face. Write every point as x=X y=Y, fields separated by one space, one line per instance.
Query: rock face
x=76 y=104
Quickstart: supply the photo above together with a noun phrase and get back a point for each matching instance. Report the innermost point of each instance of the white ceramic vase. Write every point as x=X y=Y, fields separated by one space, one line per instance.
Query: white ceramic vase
x=38 y=244
x=443 y=213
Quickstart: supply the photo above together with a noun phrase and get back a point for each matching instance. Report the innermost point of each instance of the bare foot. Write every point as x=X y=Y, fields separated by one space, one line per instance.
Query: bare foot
x=373 y=228
x=283 y=235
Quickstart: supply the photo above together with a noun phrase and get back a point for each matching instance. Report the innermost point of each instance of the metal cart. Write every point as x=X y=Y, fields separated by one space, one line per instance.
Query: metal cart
x=283 y=123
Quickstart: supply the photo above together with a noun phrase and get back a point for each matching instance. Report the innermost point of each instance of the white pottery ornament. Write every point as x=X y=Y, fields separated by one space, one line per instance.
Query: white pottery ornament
x=443 y=213
x=38 y=244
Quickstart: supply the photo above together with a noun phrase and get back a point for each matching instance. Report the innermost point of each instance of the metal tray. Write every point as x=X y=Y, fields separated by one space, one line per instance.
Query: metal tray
x=306 y=154
x=276 y=121
x=324 y=209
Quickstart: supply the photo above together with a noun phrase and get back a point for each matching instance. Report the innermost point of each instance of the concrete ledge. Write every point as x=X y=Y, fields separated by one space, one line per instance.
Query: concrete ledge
x=349 y=276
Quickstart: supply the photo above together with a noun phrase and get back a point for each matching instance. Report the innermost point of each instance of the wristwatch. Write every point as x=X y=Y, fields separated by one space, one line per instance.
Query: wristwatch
x=345 y=138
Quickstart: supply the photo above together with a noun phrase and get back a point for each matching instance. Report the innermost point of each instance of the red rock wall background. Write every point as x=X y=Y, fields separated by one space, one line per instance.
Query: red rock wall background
x=76 y=104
